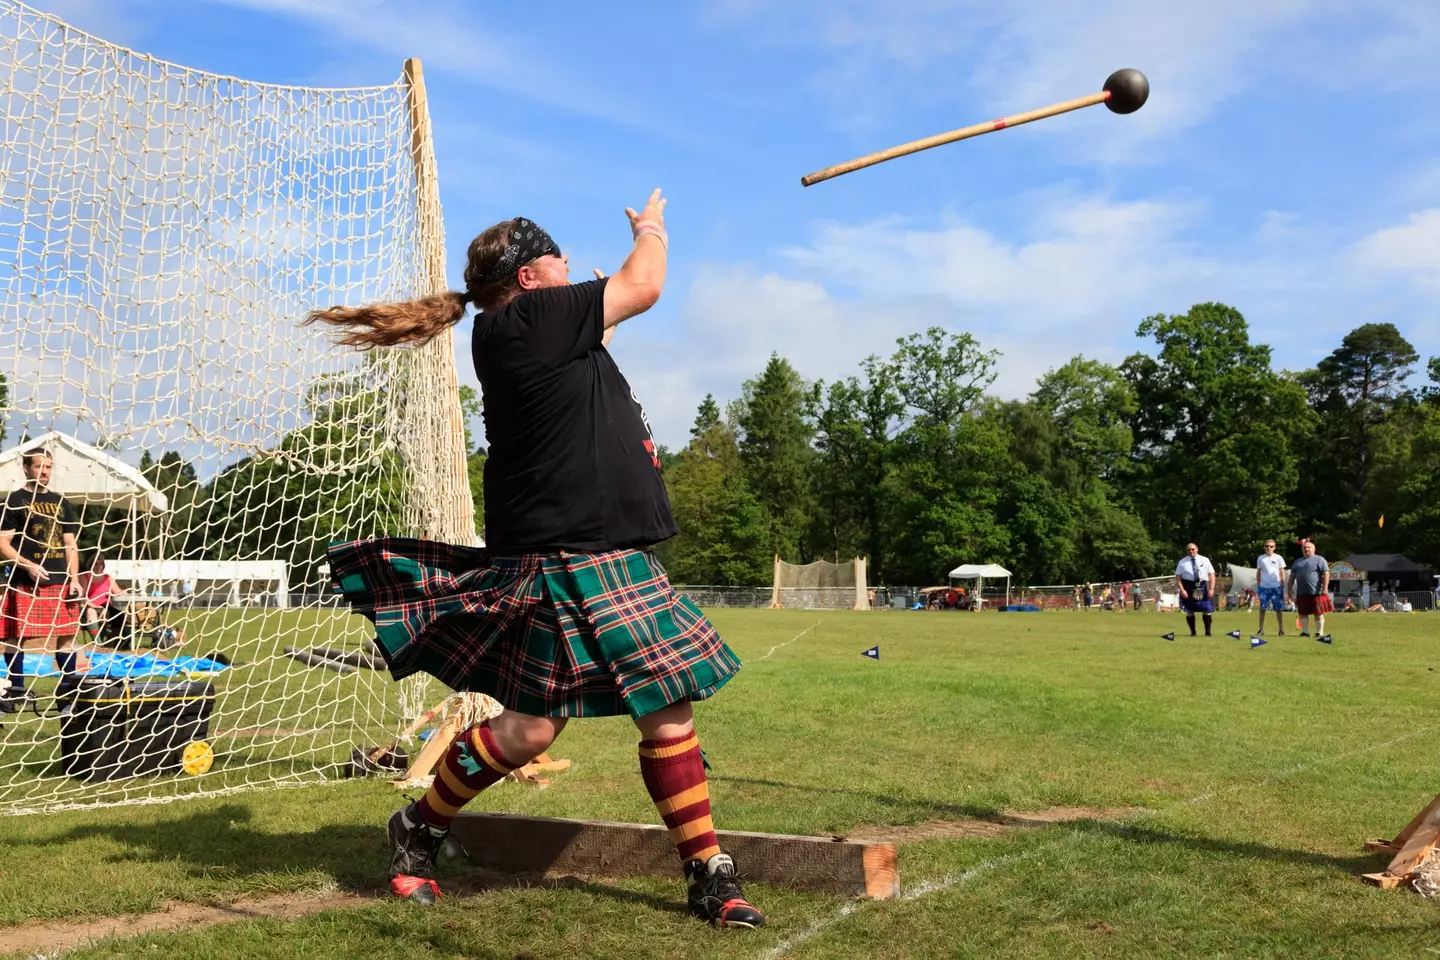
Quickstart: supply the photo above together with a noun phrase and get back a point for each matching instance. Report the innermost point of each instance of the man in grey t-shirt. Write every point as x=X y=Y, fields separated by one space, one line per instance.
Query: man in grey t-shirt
x=1310 y=589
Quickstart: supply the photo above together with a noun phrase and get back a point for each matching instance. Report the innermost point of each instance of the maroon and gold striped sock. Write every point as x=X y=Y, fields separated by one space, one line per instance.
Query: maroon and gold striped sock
x=675 y=776
x=472 y=763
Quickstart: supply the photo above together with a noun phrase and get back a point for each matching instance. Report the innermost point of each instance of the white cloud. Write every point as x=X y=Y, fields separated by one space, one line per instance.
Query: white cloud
x=1087 y=255
x=1411 y=248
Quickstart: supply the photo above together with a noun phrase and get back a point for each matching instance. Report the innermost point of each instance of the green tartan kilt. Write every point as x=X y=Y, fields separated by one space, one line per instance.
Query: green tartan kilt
x=548 y=634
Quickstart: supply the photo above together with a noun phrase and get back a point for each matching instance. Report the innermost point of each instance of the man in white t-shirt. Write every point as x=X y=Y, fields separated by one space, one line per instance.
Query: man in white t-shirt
x=1195 y=579
x=1270 y=586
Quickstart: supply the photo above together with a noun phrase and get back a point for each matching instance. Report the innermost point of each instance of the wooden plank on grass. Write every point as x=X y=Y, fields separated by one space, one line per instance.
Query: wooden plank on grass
x=510 y=843
x=1424 y=838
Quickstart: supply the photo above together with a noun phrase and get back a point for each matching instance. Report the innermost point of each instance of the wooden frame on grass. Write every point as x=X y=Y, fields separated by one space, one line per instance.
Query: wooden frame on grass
x=1419 y=839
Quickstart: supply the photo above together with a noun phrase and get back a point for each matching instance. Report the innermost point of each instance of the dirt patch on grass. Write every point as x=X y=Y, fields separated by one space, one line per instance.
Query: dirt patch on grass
x=52 y=936
x=961 y=829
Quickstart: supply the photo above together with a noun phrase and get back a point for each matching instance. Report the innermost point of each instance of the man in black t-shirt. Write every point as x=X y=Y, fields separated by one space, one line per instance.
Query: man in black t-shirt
x=566 y=613
x=41 y=596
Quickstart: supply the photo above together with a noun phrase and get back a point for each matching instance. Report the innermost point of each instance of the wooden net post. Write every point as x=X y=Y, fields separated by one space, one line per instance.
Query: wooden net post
x=862 y=590
x=441 y=507
x=775 y=586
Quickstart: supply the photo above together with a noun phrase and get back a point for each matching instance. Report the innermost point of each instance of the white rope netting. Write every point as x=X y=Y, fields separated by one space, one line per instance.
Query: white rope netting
x=820 y=585
x=162 y=233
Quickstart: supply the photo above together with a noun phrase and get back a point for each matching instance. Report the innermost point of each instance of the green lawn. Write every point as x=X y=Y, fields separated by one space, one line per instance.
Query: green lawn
x=1252 y=777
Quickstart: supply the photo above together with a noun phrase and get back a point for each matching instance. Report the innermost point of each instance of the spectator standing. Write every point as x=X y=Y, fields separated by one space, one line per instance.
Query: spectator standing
x=1270 y=585
x=1195 y=579
x=1310 y=589
x=42 y=594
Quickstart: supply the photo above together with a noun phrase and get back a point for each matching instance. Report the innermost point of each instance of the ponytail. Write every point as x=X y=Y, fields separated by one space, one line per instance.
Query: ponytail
x=391 y=324
x=422 y=320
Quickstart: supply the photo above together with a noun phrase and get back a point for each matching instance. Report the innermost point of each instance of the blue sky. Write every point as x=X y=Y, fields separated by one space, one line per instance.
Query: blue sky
x=1288 y=162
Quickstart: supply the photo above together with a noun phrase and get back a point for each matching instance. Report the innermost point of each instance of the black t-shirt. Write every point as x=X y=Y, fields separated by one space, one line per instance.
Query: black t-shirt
x=37 y=523
x=572 y=463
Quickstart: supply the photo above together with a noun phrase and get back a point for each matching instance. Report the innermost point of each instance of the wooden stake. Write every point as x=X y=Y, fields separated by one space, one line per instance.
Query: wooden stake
x=451 y=516
x=510 y=843
x=1419 y=839
x=434 y=749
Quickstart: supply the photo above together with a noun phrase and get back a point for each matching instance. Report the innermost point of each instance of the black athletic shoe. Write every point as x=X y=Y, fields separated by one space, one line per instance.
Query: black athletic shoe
x=413 y=851
x=17 y=702
x=715 y=894
x=1305 y=633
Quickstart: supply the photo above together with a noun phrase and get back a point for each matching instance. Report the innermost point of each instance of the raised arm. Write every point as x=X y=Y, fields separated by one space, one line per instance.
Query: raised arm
x=636 y=286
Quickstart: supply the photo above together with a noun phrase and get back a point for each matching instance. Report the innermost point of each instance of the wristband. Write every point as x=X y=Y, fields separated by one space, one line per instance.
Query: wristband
x=651 y=228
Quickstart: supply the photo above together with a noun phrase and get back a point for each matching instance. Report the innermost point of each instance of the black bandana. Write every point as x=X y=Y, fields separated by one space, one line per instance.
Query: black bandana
x=527 y=242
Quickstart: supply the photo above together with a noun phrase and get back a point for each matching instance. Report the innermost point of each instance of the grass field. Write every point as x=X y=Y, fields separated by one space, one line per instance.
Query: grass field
x=1232 y=790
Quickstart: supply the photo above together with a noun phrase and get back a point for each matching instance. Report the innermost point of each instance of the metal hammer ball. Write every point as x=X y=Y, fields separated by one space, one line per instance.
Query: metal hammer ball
x=1128 y=89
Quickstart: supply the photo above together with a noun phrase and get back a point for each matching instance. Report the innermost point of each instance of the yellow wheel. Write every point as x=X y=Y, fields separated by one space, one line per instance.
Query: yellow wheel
x=197 y=758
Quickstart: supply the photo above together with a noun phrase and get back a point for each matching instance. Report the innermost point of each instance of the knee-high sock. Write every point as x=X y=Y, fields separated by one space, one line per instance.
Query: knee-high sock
x=66 y=661
x=674 y=774
x=15 y=671
x=1207 y=618
x=1190 y=621
x=1320 y=625
x=472 y=763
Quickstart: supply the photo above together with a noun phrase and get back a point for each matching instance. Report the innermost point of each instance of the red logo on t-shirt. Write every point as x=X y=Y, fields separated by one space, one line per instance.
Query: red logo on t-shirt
x=650 y=449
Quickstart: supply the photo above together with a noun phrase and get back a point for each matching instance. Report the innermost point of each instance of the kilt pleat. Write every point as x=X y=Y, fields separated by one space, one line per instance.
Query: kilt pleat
x=38 y=611
x=549 y=634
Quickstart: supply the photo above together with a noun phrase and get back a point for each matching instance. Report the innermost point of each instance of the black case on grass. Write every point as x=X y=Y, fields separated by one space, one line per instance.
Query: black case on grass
x=128 y=728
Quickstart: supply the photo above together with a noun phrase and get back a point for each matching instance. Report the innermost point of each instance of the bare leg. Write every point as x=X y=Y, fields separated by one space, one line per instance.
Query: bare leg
x=522 y=737
x=676 y=720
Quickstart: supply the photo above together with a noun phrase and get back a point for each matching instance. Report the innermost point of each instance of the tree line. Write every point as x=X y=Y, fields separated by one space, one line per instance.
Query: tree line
x=1101 y=473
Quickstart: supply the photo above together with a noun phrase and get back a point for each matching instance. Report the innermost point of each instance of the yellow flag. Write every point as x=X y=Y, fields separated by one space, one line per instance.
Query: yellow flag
x=1382 y=521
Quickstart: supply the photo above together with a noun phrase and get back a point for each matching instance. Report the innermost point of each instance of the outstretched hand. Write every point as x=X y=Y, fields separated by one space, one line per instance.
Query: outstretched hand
x=654 y=211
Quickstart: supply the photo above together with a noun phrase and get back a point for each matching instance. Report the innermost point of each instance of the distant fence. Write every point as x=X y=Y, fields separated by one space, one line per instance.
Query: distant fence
x=1058 y=597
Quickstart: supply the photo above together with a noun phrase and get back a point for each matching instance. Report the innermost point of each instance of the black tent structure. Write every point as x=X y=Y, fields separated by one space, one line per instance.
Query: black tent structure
x=1408 y=574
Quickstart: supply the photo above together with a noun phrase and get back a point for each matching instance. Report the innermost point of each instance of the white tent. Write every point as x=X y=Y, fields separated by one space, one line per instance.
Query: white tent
x=978 y=572
x=84 y=474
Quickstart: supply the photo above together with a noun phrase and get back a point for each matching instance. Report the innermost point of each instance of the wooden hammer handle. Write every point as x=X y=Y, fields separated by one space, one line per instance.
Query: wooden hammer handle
x=964 y=133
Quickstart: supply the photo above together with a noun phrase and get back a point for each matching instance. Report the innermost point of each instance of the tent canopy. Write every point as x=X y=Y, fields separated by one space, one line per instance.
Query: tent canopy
x=1392 y=563
x=970 y=571
x=84 y=474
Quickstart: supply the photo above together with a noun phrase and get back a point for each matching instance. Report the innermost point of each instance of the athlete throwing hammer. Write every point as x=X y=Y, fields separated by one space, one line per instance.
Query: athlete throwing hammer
x=566 y=613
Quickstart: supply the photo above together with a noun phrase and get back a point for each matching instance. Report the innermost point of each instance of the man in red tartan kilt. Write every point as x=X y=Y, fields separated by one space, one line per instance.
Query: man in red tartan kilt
x=41 y=601
x=566 y=613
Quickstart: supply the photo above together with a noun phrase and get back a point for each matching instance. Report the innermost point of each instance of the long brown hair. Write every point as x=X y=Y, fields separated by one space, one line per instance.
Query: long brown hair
x=423 y=319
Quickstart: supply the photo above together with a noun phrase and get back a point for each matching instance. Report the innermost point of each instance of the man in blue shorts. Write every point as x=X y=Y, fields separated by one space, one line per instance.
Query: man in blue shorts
x=1270 y=585
x=1195 y=579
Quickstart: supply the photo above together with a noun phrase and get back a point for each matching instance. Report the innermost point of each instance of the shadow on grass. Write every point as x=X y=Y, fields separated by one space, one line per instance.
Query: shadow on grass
x=1137 y=833
x=221 y=844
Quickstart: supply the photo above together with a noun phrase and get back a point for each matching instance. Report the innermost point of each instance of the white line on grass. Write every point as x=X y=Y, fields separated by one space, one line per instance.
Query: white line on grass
x=790 y=641
x=928 y=887
x=919 y=890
